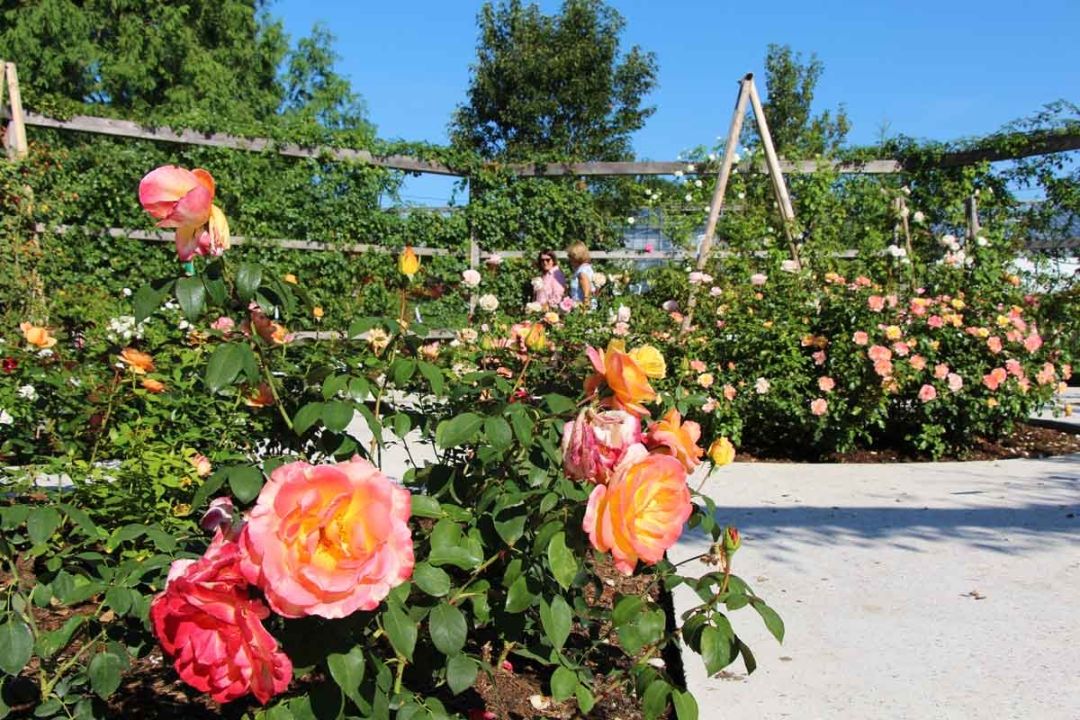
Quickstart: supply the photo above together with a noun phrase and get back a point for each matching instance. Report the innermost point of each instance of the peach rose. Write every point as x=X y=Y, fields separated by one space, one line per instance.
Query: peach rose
x=152 y=386
x=594 y=443
x=641 y=512
x=328 y=540
x=206 y=620
x=671 y=436
x=860 y=337
x=140 y=362
x=39 y=337
x=826 y=384
x=819 y=406
x=927 y=393
x=623 y=376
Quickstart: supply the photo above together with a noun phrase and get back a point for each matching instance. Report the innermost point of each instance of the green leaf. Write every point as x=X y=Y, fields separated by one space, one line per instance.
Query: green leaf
x=245 y=482
x=686 y=707
x=644 y=629
x=432 y=580
x=564 y=565
x=402 y=424
x=585 y=699
x=42 y=523
x=511 y=529
x=105 y=671
x=718 y=647
x=224 y=365
x=560 y=404
x=460 y=673
x=50 y=643
x=347 y=669
x=148 y=298
x=772 y=621
x=119 y=599
x=426 y=506
x=458 y=430
x=248 y=279
x=433 y=375
x=626 y=609
x=448 y=628
x=563 y=683
x=748 y=657
x=557 y=620
x=654 y=701
x=402 y=370
x=16 y=646
x=307 y=416
x=191 y=294
x=522 y=424
x=337 y=415
x=400 y=630
x=497 y=432
x=518 y=597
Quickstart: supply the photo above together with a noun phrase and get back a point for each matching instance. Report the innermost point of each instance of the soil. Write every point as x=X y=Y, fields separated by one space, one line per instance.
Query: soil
x=151 y=688
x=1026 y=441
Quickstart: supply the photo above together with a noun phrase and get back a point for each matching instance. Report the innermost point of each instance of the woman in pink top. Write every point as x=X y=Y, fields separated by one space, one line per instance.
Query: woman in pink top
x=549 y=288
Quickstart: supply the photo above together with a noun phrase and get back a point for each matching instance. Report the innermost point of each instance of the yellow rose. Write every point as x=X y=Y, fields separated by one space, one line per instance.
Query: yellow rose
x=650 y=361
x=721 y=452
x=290 y=278
x=408 y=263
x=893 y=332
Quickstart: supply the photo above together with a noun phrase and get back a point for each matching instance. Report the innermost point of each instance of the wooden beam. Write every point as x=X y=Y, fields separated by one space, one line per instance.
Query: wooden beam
x=17 y=147
x=776 y=174
x=125 y=128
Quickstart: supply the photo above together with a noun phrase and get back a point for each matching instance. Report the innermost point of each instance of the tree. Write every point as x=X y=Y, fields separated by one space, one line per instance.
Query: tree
x=789 y=87
x=554 y=87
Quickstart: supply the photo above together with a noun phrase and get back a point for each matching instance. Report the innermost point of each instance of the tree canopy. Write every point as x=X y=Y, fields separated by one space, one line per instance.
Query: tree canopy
x=554 y=86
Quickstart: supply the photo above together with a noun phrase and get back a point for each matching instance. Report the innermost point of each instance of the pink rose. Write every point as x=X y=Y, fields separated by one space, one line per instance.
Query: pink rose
x=223 y=324
x=594 y=443
x=955 y=382
x=758 y=279
x=863 y=281
x=328 y=540
x=883 y=367
x=935 y=321
x=879 y=352
x=1013 y=367
x=819 y=407
x=927 y=393
x=566 y=304
x=206 y=620
x=697 y=366
x=729 y=392
x=901 y=348
x=1046 y=375
x=860 y=338
x=1032 y=343
x=994 y=343
x=819 y=357
x=941 y=370
x=826 y=384
x=876 y=303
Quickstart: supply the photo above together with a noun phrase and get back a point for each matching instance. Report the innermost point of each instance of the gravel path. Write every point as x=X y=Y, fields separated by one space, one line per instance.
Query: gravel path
x=936 y=590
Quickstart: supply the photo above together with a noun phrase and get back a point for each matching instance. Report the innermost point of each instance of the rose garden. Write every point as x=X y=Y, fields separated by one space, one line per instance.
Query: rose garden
x=365 y=474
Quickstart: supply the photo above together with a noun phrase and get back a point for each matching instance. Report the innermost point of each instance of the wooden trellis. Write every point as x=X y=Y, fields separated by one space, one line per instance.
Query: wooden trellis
x=15 y=130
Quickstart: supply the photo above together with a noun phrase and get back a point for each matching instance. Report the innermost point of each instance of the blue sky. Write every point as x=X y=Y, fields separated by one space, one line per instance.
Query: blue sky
x=937 y=70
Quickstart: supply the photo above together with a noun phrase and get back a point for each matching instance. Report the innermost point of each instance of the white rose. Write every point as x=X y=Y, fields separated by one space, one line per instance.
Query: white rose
x=5 y=417
x=599 y=280
x=27 y=392
x=622 y=314
x=918 y=217
x=467 y=335
x=489 y=302
x=761 y=386
x=533 y=307
x=789 y=266
x=471 y=278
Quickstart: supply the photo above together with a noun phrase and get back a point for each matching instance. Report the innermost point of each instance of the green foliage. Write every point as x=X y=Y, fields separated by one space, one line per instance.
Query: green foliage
x=554 y=87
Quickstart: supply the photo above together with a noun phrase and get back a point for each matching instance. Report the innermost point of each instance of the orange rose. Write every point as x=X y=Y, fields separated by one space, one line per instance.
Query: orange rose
x=140 y=362
x=623 y=376
x=262 y=396
x=39 y=337
x=640 y=513
x=328 y=540
x=153 y=386
x=679 y=439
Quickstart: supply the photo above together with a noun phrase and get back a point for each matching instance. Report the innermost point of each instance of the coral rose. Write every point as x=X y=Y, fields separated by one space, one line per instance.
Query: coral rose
x=206 y=620
x=641 y=512
x=860 y=337
x=328 y=540
x=826 y=384
x=594 y=443
x=671 y=436
x=627 y=381
x=152 y=386
x=927 y=393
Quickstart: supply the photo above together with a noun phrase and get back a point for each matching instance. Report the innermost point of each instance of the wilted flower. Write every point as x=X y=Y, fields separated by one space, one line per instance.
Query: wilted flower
x=595 y=442
x=378 y=339
x=789 y=266
x=201 y=463
x=152 y=386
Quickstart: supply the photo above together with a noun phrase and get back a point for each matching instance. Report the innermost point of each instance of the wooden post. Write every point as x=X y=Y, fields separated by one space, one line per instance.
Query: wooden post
x=474 y=255
x=972 y=219
x=783 y=200
x=719 y=191
x=16 y=129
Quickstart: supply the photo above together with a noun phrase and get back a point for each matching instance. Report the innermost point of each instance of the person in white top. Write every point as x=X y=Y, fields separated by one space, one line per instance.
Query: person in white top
x=581 y=285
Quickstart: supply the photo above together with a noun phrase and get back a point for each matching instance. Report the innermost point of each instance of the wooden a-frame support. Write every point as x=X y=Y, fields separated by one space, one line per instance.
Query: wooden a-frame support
x=15 y=133
x=747 y=94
